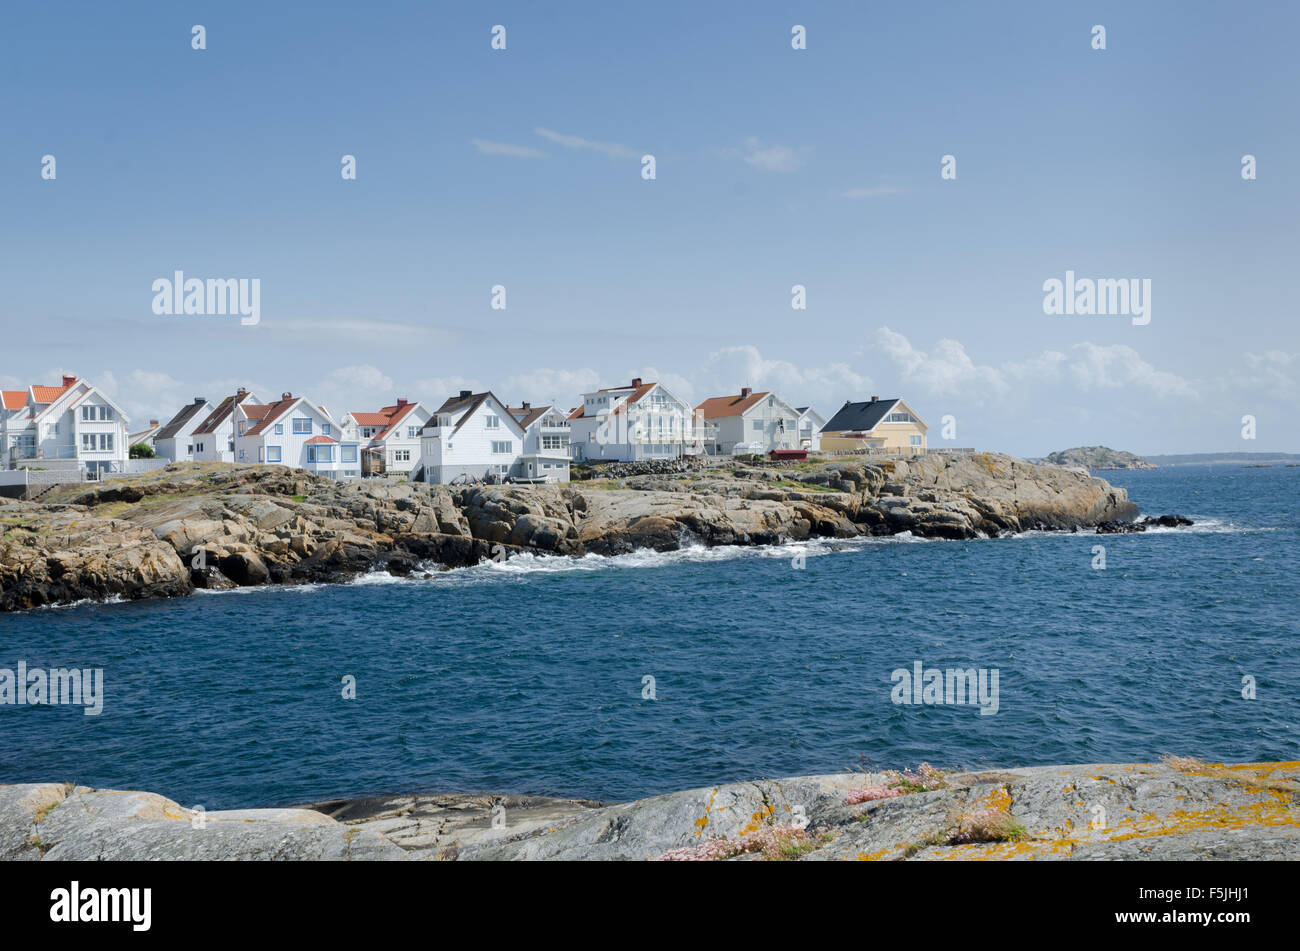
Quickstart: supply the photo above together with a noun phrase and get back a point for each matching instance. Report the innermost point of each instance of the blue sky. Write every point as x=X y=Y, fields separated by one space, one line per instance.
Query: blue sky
x=775 y=167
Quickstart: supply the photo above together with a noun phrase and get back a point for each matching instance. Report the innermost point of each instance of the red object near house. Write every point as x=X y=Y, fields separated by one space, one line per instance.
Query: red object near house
x=793 y=455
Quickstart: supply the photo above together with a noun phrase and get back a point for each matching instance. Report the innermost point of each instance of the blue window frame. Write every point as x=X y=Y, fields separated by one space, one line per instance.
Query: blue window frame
x=302 y=425
x=272 y=453
x=279 y=429
x=325 y=429
x=320 y=453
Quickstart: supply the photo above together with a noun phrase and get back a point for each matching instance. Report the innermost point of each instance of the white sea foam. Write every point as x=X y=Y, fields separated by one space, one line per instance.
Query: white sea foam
x=525 y=564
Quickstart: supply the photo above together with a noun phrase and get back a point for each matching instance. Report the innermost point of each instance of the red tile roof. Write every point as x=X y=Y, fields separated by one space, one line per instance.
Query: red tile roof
x=396 y=416
x=14 y=399
x=320 y=439
x=48 y=394
x=218 y=415
x=269 y=414
x=639 y=392
x=720 y=406
x=527 y=417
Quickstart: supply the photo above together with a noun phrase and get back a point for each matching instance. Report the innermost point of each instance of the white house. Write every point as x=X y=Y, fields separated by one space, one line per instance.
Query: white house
x=144 y=437
x=293 y=431
x=629 y=423
x=810 y=428
x=73 y=421
x=390 y=438
x=545 y=454
x=214 y=439
x=175 y=440
x=470 y=437
x=750 y=422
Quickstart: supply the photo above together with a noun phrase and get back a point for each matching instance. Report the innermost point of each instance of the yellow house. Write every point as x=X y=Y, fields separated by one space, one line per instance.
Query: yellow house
x=882 y=425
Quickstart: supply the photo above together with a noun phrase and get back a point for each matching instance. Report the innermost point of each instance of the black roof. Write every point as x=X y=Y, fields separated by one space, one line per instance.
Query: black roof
x=180 y=419
x=855 y=417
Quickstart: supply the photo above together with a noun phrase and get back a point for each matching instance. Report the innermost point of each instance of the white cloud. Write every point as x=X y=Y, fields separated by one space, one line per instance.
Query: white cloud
x=729 y=369
x=505 y=148
x=545 y=385
x=578 y=142
x=1275 y=372
x=1121 y=367
x=771 y=158
x=946 y=370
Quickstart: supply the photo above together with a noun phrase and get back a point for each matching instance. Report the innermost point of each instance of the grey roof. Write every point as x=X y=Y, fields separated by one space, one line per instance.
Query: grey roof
x=859 y=417
x=174 y=426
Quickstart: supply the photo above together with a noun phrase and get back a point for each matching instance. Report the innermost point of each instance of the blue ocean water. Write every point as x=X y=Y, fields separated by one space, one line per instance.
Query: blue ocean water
x=528 y=676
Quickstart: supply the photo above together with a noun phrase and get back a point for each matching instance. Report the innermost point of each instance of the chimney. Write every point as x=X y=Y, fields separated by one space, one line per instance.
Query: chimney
x=286 y=396
x=527 y=405
x=746 y=391
x=401 y=401
x=68 y=380
x=153 y=424
x=199 y=401
x=636 y=382
x=875 y=399
x=465 y=394
x=241 y=392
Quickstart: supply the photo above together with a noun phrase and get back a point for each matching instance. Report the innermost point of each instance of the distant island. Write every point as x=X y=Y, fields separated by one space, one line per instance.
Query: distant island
x=1213 y=458
x=1097 y=457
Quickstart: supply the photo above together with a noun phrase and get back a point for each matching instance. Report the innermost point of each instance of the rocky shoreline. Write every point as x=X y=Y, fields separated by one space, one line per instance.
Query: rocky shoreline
x=1178 y=809
x=210 y=526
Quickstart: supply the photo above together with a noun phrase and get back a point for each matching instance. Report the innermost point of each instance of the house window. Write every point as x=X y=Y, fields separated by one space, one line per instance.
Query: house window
x=899 y=418
x=348 y=454
x=88 y=442
x=914 y=440
x=241 y=455
x=402 y=455
x=272 y=453
x=106 y=442
x=302 y=425
x=325 y=429
x=502 y=446
x=411 y=431
x=758 y=425
x=279 y=429
x=492 y=422
x=320 y=453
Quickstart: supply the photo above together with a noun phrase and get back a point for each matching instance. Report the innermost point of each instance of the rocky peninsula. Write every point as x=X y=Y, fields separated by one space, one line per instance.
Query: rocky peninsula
x=207 y=525
x=1178 y=809
x=1098 y=458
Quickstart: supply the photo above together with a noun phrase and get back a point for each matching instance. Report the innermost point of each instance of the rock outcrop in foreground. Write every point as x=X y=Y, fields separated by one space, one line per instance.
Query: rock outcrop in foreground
x=1180 y=809
x=212 y=526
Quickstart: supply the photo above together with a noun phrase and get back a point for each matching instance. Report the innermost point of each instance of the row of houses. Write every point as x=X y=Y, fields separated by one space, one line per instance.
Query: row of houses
x=469 y=437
